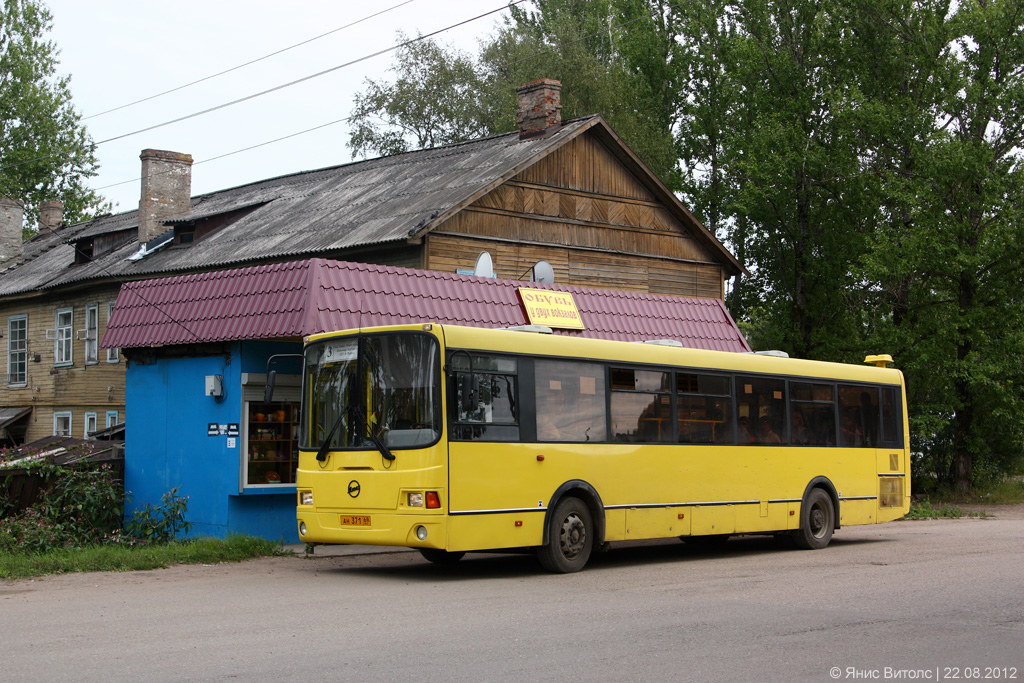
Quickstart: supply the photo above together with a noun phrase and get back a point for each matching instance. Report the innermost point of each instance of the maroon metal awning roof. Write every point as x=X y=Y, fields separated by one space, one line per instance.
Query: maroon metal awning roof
x=291 y=300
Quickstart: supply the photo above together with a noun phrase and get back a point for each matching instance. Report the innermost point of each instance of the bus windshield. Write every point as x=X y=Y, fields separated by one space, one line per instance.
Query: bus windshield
x=360 y=389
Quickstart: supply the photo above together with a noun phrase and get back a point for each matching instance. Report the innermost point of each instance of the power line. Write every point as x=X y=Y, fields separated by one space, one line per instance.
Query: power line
x=238 y=151
x=284 y=85
x=311 y=76
x=253 y=61
x=348 y=118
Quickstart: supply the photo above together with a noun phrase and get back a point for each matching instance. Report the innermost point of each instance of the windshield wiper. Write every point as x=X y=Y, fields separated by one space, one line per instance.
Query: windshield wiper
x=385 y=453
x=321 y=453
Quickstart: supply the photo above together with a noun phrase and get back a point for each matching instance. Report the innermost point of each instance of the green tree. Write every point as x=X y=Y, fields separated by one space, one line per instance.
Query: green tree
x=861 y=157
x=968 y=233
x=45 y=151
x=601 y=51
x=435 y=100
x=864 y=158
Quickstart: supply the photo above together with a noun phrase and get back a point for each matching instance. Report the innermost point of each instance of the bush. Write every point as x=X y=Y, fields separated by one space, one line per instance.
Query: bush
x=80 y=506
x=163 y=523
x=83 y=505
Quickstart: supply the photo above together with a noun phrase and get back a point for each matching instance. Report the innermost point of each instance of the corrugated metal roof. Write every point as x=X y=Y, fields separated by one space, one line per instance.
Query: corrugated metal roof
x=322 y=212
x=290 y=300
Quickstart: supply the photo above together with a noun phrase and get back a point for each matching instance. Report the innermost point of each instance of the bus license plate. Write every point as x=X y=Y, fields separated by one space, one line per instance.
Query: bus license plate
x=355 y=520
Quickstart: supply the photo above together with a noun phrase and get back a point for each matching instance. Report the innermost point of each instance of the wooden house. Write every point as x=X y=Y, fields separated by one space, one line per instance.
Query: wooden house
x=569 y=193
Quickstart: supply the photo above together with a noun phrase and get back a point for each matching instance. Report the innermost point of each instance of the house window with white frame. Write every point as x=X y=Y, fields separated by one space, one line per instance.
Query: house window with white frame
x=90 y=424
x=63 y=338
x=111 y=418
x=92 y=333
x=113 y=355
x=17 y=350
x=62 y=424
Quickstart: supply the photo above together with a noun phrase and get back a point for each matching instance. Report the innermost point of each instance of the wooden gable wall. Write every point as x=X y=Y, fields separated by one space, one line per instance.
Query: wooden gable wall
x=581 y=210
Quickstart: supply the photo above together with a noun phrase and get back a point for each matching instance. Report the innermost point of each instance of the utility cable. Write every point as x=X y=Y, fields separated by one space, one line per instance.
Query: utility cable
x=311 y=76
x=283 y=85
x=237 y=151
x=252 y=61
x=348 y=118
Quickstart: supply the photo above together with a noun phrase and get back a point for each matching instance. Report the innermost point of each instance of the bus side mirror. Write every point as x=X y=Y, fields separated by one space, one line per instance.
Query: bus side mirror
x=268 y=391
x=470 y=393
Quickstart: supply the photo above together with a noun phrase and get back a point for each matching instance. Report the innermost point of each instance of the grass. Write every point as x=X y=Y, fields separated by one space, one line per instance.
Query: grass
x=120 y=558
x=1007 y=492
x=923 y=509
x=944 y=503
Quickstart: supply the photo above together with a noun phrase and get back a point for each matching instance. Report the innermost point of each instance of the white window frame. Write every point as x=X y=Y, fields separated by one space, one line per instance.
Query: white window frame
x=111 y=422
x=58 y=418
x=92 y=334
x=64 y=337
x=113 y=355
x=89 y=418
x=17 y=357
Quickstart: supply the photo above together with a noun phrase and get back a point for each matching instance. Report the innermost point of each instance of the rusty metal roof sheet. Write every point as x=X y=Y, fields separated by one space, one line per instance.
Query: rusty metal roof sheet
x=290 y=300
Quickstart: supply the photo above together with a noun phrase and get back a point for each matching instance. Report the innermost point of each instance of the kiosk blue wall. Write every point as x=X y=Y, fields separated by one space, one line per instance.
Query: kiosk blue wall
x=180 y=437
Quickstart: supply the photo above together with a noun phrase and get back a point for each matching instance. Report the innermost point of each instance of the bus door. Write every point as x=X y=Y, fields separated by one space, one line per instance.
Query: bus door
x=490 y=469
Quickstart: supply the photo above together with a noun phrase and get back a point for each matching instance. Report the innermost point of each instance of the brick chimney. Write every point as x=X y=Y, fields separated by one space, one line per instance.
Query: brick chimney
x=540 y=107
x=166 y=190
x=51 y=215
x=12 y=218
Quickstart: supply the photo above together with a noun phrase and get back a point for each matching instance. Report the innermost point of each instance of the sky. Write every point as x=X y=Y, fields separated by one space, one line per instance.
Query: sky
x=119 y=51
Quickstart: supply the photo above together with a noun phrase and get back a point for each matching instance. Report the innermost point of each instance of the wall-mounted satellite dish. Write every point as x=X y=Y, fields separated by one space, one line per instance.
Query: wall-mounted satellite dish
x=484 y=266
x=543 y=272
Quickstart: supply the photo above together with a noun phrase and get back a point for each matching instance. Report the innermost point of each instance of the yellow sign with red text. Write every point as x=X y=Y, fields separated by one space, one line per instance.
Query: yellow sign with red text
x=551 y=309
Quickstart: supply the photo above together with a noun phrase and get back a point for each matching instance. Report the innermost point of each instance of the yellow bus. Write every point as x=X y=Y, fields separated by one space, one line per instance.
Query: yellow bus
x=453 y=439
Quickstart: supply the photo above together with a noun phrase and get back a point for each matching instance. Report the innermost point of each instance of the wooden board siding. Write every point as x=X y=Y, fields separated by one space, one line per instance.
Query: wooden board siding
x=586 y=214
x=78 y=388
x=585 y=164
x=641 y=240
x=513 y=260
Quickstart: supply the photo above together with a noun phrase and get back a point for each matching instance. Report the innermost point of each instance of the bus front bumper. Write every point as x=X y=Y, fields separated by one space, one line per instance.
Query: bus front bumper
x=411 y=530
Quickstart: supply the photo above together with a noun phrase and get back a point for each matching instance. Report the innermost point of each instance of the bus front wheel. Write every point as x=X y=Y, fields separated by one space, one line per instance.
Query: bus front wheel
x=817 y=520
x=440 y=556
x=570 y=537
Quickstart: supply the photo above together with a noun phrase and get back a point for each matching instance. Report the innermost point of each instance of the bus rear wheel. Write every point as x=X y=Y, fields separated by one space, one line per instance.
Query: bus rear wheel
x=570 y=537
x=440 y=556
x=817 y=520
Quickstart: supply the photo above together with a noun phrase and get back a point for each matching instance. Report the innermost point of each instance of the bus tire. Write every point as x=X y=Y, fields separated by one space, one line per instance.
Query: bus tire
x=570 y=537
x=817 y=521
x=440 y=556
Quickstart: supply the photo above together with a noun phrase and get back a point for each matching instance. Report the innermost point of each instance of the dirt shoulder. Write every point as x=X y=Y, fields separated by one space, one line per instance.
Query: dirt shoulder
x=1013 y=511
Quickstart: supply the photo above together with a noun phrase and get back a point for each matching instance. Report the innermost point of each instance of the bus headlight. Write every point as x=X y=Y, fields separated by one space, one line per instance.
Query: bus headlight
x=305 y=497
x=415 y=500
x=421 y=533
x=302 y=528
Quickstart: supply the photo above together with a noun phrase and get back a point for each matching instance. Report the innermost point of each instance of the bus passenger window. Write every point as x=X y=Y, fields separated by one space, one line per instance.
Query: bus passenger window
x=859 y=416
x=812 y=410
x=704 y=408
x=641 y=406
x=486 y=400
x=892 y=412
x=761 y=406
x=570 y=401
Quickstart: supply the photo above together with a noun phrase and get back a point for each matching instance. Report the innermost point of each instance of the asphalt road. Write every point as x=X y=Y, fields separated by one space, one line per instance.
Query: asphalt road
x=934 y=600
